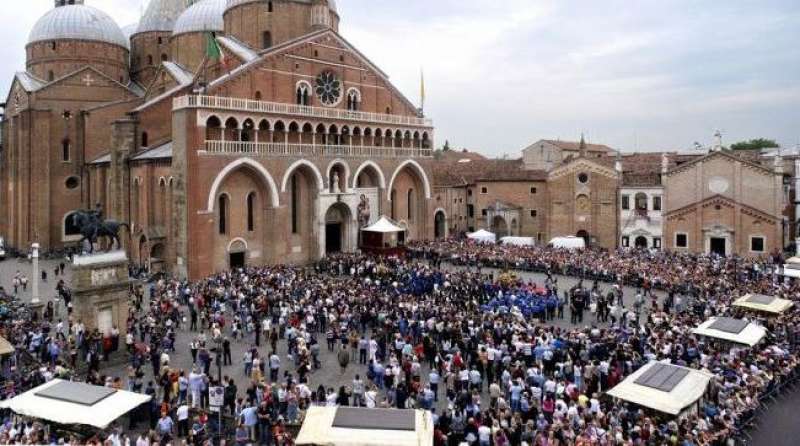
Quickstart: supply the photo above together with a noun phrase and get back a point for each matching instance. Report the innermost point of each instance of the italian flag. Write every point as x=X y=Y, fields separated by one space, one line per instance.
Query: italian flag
x=214 y=51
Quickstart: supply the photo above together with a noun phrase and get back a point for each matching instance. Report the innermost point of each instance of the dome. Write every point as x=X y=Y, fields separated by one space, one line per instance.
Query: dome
x=205 y=15
x=161 y=15
x=77 y=22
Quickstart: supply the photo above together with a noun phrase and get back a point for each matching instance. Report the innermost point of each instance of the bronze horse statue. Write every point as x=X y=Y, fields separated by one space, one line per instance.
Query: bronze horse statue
x=92 y=227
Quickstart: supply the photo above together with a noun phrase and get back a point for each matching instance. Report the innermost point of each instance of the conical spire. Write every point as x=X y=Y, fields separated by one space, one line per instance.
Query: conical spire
x=582 y=146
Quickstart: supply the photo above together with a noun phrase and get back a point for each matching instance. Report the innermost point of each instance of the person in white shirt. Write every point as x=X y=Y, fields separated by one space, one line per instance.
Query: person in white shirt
x=183 y=420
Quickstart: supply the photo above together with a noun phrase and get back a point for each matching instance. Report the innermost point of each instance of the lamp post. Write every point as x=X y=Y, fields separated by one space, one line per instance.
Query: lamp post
x=35 y=278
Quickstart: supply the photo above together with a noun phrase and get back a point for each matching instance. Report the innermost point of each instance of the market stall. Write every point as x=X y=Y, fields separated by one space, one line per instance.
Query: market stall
x=766 y=304
x=518 y=241
x=738 y=331
x=663 y=387
x=350 y=426
x=70 y=403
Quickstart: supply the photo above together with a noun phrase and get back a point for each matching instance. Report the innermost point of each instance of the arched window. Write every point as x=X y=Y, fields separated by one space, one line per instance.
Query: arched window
x=266 y=40
x=65 y=150
x=251 y=203
x=393 y=196
x=303 y=94
x=269 y=7
x=144 y=139
x=164 y=57
x=223 y=214
x=149 y=59
x=70 y=226
x=295 y=207
x=353 y=100
x=410 y=204
x=213 y=129
x=160 y=40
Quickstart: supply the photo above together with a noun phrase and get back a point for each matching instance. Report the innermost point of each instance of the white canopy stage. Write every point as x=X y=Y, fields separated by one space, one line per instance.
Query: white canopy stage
x=382 y=237
x=667 y=388
x=350 y=426
x=68 y=402
x=570 y=242
x=734 y=330
x=517 y=241
x=483 y=236
x=760 y=302
x=384 y=226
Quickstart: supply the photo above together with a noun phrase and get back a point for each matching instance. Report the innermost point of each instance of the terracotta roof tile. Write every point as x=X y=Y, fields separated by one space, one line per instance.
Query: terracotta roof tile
x=455 y=173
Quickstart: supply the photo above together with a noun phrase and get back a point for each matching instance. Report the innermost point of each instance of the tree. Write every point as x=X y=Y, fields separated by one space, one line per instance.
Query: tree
x=755 y=144
x=446 y=147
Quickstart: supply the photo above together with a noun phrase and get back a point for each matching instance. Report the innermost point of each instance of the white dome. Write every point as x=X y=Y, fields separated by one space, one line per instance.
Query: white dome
x=77 y=22
x=205 y=15
x=161 y=15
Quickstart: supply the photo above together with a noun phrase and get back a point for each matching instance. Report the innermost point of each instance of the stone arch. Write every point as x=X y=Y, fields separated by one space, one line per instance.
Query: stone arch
x=418 y=170
x=340 y=229
x=237 y=244
x=317 y=175
x=440 y=229
x=372 y=166
x=499 y=226
x=242 y=163
x=345 y=168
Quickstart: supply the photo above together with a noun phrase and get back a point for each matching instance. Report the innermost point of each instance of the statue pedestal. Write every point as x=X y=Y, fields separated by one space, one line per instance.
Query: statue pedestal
x=101 y=290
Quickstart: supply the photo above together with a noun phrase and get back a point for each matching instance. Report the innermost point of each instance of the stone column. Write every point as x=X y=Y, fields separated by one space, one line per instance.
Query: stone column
x=35 y=300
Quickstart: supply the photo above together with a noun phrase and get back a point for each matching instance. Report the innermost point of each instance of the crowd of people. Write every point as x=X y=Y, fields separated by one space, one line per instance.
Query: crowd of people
x=490 y=355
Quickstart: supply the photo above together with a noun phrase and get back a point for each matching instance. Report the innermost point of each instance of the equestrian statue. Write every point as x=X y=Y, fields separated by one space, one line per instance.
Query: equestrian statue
x=93 y=225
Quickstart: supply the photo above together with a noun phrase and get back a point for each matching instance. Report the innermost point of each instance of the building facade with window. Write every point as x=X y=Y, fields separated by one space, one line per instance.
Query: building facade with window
x=726 y=203
x=266 y=154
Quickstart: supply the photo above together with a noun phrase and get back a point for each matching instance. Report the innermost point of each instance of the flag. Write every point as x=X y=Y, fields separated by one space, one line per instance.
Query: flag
x=214 y=51
x=421 y=89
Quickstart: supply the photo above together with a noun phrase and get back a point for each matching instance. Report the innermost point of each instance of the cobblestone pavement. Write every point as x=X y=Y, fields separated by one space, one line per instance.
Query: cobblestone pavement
x=47 y=290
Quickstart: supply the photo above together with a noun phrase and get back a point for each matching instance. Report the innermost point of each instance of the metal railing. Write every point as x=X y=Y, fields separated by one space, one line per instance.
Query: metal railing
x=308 y=150
x=239 y=104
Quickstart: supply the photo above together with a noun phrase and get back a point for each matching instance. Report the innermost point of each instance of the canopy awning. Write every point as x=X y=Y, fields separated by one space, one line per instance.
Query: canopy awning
x=685 y=392
x=750 y=335
x=384 y=226
x=68 y=402
x=518 y=241
x=5 y=347
x=767 y=304
x=321 y=428
x=483 y=236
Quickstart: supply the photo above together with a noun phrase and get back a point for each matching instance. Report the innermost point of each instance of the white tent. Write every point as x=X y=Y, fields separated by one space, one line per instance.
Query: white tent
x=750 y=335
x=319 y=428
x=517 y=241
x=570 y=242
x=767 y=304
x=384 y=226
x=482 y=236
x=680 y=396
x=68 y=402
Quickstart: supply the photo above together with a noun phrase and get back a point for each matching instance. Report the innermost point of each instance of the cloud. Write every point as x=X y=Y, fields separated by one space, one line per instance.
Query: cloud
x=499 y=75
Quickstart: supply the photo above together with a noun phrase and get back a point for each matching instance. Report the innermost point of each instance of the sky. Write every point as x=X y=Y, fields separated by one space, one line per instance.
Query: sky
x=499 y=75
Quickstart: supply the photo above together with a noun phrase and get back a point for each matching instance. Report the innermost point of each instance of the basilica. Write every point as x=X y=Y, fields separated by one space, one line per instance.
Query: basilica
x=224 y=132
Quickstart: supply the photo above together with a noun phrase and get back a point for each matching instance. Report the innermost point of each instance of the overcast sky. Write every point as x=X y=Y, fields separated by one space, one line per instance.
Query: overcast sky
x=646 y=74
